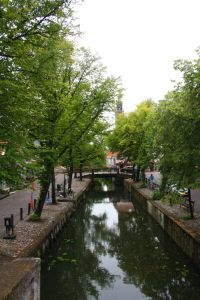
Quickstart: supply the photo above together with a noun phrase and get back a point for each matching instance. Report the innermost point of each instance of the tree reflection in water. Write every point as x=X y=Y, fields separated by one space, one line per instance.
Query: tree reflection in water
x=145 y=256
x=74 y=269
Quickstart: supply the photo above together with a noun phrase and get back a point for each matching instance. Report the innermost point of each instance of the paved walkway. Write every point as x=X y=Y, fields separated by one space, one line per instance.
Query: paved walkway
x=12 y=204
x=20 y=199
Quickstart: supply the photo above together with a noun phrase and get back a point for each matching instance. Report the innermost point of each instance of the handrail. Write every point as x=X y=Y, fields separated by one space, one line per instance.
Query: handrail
x=97 y=169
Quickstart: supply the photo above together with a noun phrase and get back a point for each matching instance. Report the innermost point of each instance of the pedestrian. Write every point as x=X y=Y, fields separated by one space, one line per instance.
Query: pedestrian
x=151 y=179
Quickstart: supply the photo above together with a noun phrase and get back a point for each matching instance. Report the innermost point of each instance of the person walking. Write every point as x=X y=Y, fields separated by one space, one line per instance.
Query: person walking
x=151 y=179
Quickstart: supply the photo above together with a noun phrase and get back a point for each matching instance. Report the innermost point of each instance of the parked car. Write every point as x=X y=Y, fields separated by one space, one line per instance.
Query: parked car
x=179 y=191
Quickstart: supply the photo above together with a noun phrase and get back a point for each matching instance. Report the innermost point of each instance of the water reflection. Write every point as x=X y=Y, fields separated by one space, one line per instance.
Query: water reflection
x=106 y=255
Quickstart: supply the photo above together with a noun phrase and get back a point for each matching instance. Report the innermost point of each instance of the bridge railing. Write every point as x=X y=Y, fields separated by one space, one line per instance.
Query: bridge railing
x=94 y=170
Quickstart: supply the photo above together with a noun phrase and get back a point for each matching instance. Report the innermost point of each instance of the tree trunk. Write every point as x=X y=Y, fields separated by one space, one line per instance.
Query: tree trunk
x=143 y=174
x=53 y=188
x=64 y=186
x=44 y=183
x=138 y=174
x=190 y=204
x=71 y=169
x=133 y=172
x=81 y=170
x=163 y=183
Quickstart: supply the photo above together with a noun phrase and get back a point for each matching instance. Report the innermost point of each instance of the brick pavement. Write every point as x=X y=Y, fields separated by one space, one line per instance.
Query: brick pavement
x=20 y=199
x=12 y=204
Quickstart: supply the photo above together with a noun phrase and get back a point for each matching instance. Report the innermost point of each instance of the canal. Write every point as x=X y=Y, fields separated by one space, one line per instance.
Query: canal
x=104 y=254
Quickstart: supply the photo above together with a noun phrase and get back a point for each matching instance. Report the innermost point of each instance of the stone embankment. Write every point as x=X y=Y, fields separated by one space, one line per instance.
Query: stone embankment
x=20 y=272
x=185 y=232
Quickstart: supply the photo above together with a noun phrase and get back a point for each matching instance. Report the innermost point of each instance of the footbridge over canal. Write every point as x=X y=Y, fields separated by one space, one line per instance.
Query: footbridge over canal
x=102 y=173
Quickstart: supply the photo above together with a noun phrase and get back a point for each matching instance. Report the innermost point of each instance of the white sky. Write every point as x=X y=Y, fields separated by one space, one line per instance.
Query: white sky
x=139 y=41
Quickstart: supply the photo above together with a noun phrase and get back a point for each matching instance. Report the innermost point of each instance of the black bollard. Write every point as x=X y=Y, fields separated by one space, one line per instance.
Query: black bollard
x=35 y=202
x=29 y=208
x=12 y=223
x=21 y=214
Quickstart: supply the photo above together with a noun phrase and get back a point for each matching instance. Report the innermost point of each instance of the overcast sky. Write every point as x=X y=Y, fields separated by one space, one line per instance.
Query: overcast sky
x=139 y=41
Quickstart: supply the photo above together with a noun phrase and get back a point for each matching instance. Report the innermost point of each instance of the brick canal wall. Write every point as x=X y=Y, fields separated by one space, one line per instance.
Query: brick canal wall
x=20 y=273
x=188 y=240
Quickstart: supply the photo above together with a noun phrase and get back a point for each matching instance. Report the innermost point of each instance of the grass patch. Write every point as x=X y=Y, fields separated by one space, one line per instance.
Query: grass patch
x=34 y=217
x=187 y=217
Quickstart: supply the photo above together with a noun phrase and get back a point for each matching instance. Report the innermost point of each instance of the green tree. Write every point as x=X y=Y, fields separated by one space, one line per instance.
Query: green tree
x=179 y=141
x=133 y=135
x=71 y=91
x=26 y=27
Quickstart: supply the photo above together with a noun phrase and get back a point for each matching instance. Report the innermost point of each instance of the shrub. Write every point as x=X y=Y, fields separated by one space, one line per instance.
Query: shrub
x=157 y=195
x=187 y=217
x=34 y=217
x=142 y=185
x=172 y=199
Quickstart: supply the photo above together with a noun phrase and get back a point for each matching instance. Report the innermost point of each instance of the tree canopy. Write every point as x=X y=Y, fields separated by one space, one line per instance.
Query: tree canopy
x=53 y=93
x=167 y=131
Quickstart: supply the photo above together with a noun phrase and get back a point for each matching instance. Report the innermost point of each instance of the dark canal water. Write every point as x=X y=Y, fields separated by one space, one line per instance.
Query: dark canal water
x=105 y=255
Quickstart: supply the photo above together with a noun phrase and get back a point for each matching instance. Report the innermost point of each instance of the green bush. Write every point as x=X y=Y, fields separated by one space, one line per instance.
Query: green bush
x=157 y=195
x=187 y=217
x=142 y=185
x=172 y=199
x=34 y=217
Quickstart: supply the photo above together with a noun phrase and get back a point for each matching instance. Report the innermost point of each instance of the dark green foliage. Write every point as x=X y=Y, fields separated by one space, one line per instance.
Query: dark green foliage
x=157 y=195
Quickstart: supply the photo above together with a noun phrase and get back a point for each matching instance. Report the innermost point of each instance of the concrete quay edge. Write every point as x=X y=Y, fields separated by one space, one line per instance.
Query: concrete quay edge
x=20 y=273
x=185 y=237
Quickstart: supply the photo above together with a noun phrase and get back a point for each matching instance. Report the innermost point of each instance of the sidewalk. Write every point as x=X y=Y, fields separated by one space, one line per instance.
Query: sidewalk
x=12 y=204
x=31 y=234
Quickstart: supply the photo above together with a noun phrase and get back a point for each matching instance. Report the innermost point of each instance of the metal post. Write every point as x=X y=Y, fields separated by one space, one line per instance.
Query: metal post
x=12 y=223
x=29 y=208
x=35 y=202
x=21 y=214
